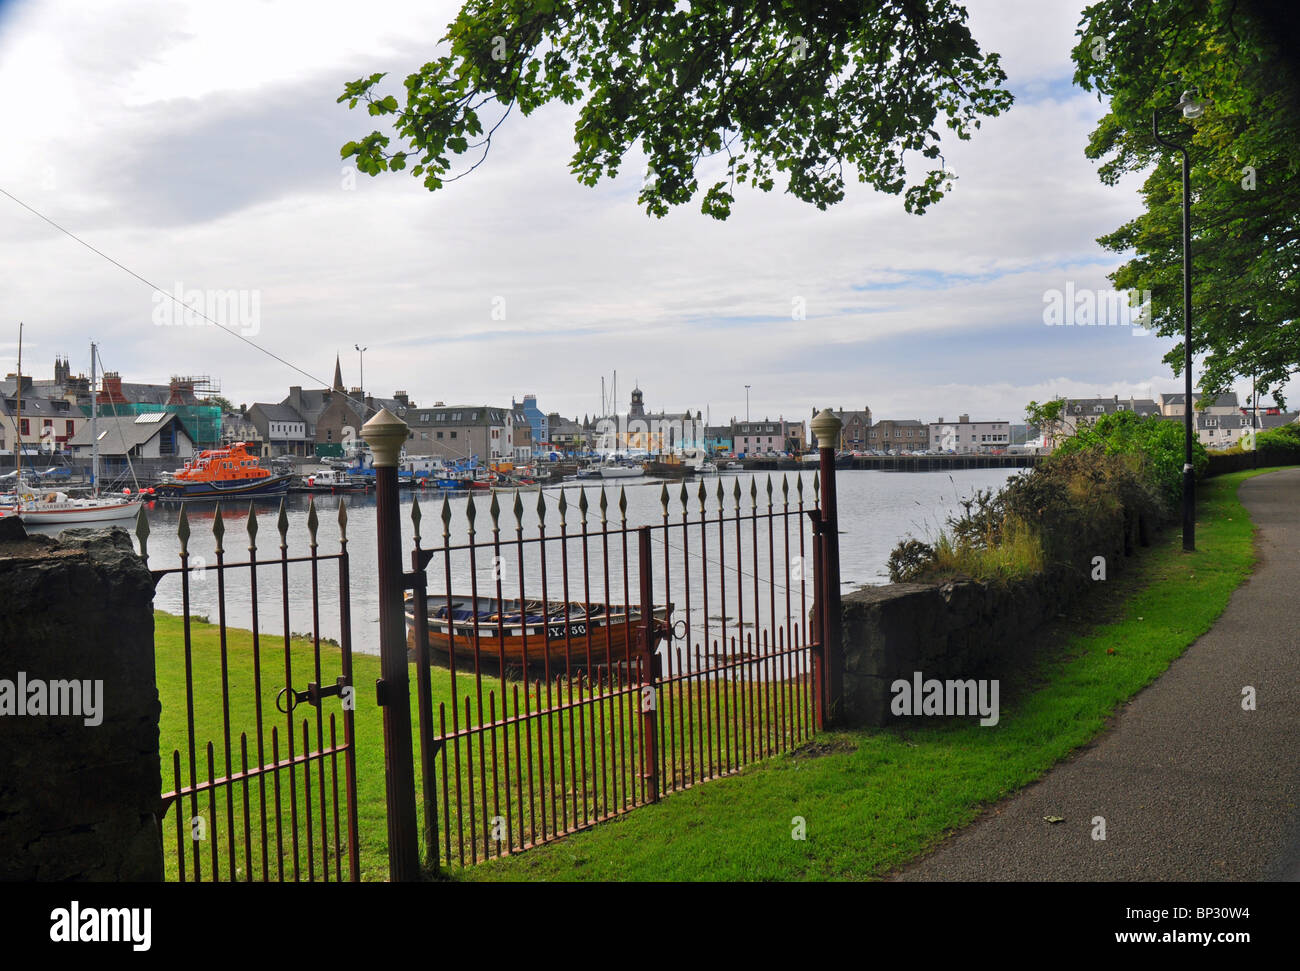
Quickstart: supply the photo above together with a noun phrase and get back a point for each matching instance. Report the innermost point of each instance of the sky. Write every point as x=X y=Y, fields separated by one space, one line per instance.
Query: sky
x=197 y=145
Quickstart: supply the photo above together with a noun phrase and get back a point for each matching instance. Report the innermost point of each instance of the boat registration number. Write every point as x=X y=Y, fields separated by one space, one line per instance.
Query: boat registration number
x=556 y=631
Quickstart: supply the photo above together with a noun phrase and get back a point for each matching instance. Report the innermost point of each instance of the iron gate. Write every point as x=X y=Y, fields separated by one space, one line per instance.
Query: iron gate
x=246 y=798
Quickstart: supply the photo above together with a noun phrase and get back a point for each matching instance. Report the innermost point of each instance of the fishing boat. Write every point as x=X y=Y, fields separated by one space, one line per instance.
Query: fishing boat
x=487 y=629
x=218 y=473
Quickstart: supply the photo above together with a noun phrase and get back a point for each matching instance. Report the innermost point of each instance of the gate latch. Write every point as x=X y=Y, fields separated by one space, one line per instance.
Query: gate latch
x=313 y=694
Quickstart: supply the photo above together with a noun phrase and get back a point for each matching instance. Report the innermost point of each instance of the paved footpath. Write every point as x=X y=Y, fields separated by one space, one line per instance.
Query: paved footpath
x=1191 y=786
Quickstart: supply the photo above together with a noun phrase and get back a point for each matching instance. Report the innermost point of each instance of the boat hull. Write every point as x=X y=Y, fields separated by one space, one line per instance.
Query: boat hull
x=33 y=515
x=541 y=644
x=276 y=485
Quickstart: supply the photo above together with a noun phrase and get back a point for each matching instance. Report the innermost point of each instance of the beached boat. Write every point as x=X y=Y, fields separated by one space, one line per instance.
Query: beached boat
x=584 y=633
x=218 y=473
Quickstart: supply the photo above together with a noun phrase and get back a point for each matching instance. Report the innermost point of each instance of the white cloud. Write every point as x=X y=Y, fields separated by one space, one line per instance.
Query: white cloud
x=199 y=144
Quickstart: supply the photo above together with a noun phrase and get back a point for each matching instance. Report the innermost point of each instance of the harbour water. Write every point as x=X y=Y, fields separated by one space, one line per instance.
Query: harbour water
x=877 y=509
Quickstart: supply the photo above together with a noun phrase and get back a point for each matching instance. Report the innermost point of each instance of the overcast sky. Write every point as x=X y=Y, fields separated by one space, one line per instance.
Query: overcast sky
x=197 y=144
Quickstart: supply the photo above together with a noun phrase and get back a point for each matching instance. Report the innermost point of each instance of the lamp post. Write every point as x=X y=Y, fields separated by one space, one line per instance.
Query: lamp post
x=1191 y=108
x=361 y=352
x=746 y=404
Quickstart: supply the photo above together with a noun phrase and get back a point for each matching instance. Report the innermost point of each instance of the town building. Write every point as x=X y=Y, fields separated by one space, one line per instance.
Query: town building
x=1078 y=412
x=643 y=432
x=567 y=435
x=964 y=436
x=768 y=437
x=459 y=432
x=898 y=435
x=46 y=426
x=148 y=435
x=281 y=429
x=854 y=426
x=538 y=421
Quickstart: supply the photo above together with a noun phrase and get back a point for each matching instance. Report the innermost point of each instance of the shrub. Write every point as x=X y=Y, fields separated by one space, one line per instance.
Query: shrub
x=1285 y=439
x=1157 y=442
x=1057 y=515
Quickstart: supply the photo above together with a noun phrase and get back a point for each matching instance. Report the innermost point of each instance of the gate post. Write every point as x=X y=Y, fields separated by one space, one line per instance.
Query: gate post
x=649 y=677
x=385 y=433
x=826 y=427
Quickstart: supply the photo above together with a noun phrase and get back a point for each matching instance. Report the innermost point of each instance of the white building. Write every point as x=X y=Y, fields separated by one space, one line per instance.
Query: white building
x=964 y=436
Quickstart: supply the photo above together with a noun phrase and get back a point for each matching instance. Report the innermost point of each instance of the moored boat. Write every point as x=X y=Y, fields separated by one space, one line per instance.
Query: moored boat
x=621 y=471
x=217 y=473
x=490 y=630
x=57 y=508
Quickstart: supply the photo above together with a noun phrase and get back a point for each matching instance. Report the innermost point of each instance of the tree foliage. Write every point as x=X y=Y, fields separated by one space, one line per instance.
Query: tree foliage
x=792 y=89
x=1245 y=176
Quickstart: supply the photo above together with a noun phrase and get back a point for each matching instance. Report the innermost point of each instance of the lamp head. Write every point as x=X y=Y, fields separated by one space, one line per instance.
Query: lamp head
x=1192 y=108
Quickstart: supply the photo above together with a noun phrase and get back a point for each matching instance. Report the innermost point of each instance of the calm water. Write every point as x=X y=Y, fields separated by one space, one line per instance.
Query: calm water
x=876 y=510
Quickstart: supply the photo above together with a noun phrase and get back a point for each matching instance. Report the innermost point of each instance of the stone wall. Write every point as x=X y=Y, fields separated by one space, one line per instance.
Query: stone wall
x=958 y=629
x=79 y=793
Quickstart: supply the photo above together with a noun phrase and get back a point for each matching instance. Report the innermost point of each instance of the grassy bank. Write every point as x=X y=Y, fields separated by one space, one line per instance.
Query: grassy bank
x=872 y=800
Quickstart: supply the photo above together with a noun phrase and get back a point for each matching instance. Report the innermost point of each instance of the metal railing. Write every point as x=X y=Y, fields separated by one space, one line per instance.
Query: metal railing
x=579 y=667
x=246 y=799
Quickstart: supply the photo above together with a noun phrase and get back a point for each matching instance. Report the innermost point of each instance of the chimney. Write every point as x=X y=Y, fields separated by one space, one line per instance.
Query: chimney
x=964 y=419
x=295 y=397
x=111 y=390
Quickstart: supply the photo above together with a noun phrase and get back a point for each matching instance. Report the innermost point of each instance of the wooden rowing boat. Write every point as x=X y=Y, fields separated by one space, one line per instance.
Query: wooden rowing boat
x=580 y=635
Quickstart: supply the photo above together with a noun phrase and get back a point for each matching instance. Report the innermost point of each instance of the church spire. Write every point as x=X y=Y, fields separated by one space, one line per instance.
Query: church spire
x=338 y=374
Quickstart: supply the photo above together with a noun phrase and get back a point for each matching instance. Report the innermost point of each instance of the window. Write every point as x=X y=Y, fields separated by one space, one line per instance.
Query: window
x=440 y=434
x=24 y=428
x=67 y=427
x=453 y=434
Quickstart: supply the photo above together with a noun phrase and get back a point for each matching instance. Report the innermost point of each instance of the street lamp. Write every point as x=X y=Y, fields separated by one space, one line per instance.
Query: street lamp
x=746 y=404
x=1191 y=108
x=362 y=355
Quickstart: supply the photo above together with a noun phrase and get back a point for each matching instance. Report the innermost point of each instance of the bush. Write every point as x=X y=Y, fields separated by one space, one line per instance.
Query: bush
x=1285 y=440
x=1156 y=442
x=1060 y=513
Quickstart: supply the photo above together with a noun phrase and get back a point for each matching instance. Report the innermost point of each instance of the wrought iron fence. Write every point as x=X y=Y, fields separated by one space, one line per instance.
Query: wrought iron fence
x=572 y=670
x=245 y=798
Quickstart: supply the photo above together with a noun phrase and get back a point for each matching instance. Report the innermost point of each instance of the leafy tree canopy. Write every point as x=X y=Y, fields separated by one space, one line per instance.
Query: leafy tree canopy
x=1236 y=55
x=796 y=89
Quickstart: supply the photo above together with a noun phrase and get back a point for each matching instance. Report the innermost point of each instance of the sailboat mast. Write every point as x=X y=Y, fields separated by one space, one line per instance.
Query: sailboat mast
x=18 y=422
x=94 y=423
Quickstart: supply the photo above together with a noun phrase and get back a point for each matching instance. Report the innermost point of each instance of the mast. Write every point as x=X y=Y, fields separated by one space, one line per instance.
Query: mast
x=94 y=424
x=18 y=422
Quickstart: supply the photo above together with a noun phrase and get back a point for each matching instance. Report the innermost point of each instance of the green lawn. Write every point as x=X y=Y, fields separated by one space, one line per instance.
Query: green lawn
x=870 y=800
